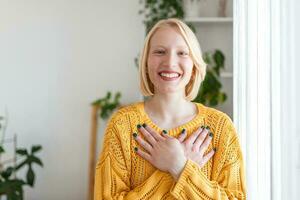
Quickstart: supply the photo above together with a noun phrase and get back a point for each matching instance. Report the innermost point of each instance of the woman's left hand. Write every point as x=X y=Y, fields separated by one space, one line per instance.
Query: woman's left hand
x=163 y=152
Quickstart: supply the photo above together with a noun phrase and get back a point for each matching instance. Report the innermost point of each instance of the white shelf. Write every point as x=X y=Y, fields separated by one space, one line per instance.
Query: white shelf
x=210 y=20
x=226 y=75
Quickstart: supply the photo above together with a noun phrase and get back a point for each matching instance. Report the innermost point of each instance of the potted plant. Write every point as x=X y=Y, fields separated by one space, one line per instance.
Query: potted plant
x=11 y=186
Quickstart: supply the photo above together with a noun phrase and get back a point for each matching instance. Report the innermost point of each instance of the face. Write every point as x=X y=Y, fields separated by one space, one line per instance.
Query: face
x=169 y=62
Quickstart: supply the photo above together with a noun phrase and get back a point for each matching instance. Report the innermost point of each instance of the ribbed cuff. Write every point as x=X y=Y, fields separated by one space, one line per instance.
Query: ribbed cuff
x=178 y=186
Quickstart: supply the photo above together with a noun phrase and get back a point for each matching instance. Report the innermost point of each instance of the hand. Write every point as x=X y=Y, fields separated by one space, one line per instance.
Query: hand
x=163 y=152
x=196 y=145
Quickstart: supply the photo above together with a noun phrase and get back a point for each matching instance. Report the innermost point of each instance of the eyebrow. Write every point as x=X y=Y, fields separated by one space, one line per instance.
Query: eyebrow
x=179 y=46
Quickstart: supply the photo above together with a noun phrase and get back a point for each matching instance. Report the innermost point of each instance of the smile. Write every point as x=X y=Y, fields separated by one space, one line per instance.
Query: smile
x=169 y=76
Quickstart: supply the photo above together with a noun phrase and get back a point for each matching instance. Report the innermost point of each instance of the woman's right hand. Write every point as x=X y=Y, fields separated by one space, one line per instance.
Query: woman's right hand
x=196 y=144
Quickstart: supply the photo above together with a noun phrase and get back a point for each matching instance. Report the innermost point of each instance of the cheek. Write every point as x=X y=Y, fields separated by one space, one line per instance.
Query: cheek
x=188 y=67
x=152 y=61
x=152 y=64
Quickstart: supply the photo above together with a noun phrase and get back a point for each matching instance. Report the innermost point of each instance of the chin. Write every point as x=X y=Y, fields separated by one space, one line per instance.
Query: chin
x=170 y=90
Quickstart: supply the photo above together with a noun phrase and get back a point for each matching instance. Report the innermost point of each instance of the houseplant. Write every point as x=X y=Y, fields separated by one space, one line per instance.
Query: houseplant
x=11 y=186
x=107 y=104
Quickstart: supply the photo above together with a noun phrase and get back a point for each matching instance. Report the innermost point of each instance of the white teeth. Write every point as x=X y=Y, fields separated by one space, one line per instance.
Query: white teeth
x=169 y=75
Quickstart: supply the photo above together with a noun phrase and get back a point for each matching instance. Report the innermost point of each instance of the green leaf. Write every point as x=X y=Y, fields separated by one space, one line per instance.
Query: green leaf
x=35 y=148
x=1 y=150
x=12 y=189
x=22 y=152
x=7 y=173
x=30 y=177
x=36 y=160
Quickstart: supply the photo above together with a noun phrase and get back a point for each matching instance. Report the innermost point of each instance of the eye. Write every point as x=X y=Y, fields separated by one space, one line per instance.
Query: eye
x=159 y=52
x=183 y=53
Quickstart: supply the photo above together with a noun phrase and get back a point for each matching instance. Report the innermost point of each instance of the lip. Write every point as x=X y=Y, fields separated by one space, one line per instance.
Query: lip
x=168 y=71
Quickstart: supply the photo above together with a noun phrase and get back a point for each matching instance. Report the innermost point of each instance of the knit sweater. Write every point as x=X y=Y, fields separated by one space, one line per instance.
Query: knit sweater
x=122 y=174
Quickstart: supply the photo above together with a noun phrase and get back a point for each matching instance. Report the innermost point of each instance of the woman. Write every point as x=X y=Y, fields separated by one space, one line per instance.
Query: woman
x=169 y=147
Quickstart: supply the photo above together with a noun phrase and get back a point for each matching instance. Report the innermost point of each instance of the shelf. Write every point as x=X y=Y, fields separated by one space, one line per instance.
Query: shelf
x=209 y=20
x=226 y=75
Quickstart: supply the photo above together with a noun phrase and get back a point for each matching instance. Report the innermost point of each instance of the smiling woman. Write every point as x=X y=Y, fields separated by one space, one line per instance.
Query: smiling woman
x=169 y=147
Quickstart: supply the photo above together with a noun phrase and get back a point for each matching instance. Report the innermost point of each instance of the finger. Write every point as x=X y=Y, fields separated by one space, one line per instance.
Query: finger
x=208 y=156
x=182 y=136
x=200 y=139
x=154 y=134
x=166 y=135
x=142 y=142
x=143 y=154
x=147 y=135
x=194 y=136
x=206 y=143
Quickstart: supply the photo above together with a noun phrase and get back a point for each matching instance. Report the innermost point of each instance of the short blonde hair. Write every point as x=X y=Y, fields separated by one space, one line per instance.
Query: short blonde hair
x=199 y=68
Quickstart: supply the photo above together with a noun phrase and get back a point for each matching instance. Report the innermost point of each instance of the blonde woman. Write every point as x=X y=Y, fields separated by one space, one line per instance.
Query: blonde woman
x=169 y=147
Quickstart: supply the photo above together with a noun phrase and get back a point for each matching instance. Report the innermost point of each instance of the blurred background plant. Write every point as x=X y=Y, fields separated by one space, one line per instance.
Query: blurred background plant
x=107 y=104
x=11 y=186
x=210 y=92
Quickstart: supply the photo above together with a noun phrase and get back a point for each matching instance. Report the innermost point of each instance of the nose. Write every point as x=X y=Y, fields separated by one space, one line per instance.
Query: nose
x=171 y=59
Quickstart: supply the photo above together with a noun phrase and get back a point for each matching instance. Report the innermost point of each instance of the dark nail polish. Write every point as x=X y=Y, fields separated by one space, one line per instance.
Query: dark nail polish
x=215 y=149
x=207 y=127
x=202 y=127
x=211 y=134
x=144 y=125
x=134 y=135
x=135 y=149
x=138 y=126
x=164 y=132
x=183 y=130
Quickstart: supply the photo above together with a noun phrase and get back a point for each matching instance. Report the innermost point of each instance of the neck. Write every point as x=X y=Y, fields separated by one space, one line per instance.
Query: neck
x=170 y=106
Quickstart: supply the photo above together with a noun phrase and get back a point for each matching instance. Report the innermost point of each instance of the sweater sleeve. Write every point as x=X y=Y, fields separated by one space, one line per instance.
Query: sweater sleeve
x=113 y=169
x=229 y=184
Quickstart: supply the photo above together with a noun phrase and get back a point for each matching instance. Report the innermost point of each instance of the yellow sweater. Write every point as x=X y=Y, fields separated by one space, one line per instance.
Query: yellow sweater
x=122 y=174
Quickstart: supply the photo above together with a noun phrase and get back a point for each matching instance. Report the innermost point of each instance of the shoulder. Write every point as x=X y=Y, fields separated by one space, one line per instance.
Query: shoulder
x=125 y=114
x=213 y=115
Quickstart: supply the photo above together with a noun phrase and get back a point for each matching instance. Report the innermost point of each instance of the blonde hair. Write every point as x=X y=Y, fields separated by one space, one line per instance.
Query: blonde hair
x=199 y=68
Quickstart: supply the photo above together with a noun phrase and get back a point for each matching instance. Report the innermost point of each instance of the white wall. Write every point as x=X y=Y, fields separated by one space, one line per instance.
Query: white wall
x=56 y=57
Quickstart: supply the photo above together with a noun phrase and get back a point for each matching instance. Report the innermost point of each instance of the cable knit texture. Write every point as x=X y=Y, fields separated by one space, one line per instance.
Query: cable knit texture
x=122 y=174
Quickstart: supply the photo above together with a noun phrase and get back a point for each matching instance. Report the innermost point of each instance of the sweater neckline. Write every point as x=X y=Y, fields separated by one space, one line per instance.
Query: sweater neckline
x=197 y=121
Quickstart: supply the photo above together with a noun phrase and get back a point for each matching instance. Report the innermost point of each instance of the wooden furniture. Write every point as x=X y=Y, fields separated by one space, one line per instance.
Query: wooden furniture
x=93 y=149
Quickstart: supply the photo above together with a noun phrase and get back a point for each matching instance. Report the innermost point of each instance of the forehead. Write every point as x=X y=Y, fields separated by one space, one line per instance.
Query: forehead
x=168 y=37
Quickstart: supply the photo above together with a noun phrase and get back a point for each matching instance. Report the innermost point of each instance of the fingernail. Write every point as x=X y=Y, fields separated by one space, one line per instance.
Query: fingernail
x=211 y=134
x=183 y=130
x=138 y=126
x=134 y=135
x=164 y=132
x=215 y=149
x=144 y=125
x=207 y=127
x=202 y=127
x=135 y=149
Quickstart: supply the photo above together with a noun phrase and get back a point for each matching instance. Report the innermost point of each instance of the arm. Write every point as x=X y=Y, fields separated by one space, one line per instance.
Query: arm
x=113 y=170
x=229 y=182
